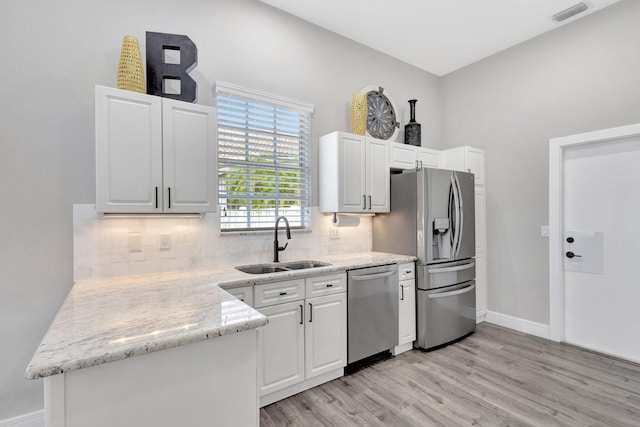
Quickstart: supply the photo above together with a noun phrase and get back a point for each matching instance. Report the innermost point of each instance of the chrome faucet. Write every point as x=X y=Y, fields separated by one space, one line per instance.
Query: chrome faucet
x=276 y=247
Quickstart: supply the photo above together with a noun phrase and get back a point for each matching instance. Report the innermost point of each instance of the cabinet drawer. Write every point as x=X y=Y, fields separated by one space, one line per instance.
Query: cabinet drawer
x=326 y=285
x=406 y=271
x=278 y=293
x=244 y=294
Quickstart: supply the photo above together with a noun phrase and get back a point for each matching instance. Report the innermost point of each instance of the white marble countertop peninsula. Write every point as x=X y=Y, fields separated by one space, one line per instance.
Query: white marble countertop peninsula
x=104 y=320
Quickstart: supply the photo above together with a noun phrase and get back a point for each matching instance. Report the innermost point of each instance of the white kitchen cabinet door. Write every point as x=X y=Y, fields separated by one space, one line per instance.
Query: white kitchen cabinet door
x=128 y=151
x=481 y=222
x=475 y=163
x=378 y=178
x=407 y=312
x=429 y=158
x=325 y=334
x=466 y=159
x=352 y=182
x=481 y=287
x=353 y=174
x=189 y=157
x=281 y=347
x=402 y=156
x=154 y=154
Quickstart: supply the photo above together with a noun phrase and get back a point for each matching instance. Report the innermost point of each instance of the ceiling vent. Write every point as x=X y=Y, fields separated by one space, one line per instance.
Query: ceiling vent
x=572 y=11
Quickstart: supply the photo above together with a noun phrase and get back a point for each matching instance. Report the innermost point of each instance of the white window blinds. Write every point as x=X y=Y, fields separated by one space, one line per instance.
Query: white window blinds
x=263 y=159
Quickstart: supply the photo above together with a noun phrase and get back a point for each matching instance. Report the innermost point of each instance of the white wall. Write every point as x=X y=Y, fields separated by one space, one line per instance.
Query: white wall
x=54 y=52
x=581 y=77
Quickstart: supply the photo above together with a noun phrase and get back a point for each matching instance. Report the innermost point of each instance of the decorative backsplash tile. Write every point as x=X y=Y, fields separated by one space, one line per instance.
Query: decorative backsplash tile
x=105 y=247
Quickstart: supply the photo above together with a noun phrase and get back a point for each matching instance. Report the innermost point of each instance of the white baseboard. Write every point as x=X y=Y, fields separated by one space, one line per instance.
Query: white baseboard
x=481 y=315
x=517 y=324
x=33 y=419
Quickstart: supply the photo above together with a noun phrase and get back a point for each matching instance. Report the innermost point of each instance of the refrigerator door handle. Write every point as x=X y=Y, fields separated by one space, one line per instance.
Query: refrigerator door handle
x=460 y=215
x=456 y=209
x=452 y=293
x=450 y=269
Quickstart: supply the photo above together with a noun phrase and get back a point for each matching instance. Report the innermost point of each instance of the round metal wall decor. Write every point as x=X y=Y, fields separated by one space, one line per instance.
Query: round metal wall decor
x=381 y=117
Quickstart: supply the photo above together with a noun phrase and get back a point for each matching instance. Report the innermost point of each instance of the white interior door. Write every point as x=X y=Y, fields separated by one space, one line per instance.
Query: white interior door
x=602 y=194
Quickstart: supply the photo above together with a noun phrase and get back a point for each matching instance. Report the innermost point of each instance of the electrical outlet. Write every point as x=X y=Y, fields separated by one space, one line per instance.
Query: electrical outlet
x=135 y=242
x=334 y=233
x=165 y=241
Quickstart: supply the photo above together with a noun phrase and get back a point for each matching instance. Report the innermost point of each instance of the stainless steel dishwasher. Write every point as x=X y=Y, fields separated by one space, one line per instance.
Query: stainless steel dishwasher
x=372 y=311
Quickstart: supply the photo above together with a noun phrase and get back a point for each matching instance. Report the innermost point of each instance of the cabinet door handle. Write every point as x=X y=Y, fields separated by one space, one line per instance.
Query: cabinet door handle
x=310 y=312
x=364 y=202
x=402 y=294
x=301 y=315
x=156 y=197
x=330 y=285
x=282 y=293
x=169 y=197
x=369 y=202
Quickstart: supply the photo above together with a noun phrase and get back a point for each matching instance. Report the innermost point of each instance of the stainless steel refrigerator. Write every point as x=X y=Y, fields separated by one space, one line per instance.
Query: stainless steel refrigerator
x=432 y=217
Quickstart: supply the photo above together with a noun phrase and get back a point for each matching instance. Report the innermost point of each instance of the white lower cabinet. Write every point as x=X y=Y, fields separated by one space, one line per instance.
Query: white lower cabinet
x=325 y=334
x=305 y=342
x=281 y=347
x=407 y=318
x=406 y=308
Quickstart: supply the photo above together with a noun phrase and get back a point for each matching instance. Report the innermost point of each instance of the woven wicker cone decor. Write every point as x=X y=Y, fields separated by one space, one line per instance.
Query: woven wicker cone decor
x=359 y=113
x=130 y=71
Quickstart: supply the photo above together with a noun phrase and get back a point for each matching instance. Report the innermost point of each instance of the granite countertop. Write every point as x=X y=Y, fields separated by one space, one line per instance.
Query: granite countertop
x=104 y=320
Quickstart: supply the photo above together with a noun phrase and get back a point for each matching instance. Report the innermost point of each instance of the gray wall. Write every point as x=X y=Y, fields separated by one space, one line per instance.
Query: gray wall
x=578 y=78
x=56 y=51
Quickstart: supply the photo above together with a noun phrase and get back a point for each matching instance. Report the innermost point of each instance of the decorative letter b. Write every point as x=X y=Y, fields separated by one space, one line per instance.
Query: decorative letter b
x=161 y=75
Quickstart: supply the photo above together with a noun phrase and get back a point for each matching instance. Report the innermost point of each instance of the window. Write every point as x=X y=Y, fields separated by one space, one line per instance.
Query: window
x=263 y=159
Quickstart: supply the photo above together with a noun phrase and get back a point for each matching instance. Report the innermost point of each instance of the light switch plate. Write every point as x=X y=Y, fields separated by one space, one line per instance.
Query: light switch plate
x=544 y=231
x=165 y=241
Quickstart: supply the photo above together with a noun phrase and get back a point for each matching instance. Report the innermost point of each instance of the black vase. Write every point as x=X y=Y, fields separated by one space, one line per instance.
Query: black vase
x=412 y=131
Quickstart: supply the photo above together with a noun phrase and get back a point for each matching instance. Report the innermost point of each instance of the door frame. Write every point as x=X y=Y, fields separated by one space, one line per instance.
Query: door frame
x=557 y=147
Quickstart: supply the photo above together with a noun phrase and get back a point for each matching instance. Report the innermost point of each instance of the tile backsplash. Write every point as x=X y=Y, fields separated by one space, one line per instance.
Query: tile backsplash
x=115 y=246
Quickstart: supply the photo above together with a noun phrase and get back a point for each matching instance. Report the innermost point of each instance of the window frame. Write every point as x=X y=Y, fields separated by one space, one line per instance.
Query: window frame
x=260 y=109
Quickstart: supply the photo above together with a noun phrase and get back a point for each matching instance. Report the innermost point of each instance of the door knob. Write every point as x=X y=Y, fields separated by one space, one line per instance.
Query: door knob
x=571 y=255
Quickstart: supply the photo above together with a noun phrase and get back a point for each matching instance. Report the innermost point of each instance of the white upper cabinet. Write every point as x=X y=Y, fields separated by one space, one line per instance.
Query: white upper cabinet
x=429 y=158
x=189 y=156
x=465 y=159
x=378 y=180
x=154 y=154
x=353 y=174
x=403 y=156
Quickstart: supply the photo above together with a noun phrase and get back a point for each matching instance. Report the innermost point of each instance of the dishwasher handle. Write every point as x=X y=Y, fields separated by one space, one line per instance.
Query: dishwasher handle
x=452 y=293
x=372 y=276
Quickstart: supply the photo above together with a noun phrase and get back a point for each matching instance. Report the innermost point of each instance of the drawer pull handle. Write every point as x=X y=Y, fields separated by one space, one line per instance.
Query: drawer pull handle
x=330 y=285
x=282 y=293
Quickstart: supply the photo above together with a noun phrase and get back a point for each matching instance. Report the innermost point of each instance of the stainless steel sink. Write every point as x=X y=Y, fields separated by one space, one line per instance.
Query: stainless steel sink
x=300 y=265
x=275 y=268
x=261 y=269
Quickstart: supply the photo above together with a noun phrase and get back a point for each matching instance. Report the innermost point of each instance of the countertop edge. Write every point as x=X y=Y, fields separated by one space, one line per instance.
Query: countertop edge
x=44 y=369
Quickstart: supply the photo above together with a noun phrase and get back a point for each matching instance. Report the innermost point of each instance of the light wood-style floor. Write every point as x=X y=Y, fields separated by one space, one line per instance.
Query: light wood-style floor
x=495 y=377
